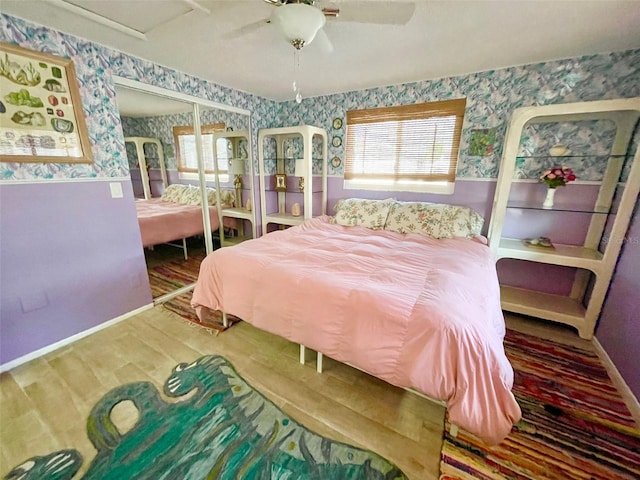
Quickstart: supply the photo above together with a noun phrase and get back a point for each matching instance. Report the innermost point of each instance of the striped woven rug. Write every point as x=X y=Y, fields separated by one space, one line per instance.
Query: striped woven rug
x=174 y=274
x=574 y=423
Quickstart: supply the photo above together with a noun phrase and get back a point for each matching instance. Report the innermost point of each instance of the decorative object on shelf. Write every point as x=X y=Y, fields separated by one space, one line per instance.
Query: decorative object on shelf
x=237 y=168
x=482 y=141
x=281 y=182
x=554 y=177
x=336 y=141
x=296 y=210
x=337 y=123
x=549 y=198
x=559 y=150
x=249 y=204
x=336 y=162
x=301 y=172
x=542 y=242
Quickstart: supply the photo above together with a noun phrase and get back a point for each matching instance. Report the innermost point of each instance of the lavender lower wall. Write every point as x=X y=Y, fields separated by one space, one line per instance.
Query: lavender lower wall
x=71 y=258
x=619 y=327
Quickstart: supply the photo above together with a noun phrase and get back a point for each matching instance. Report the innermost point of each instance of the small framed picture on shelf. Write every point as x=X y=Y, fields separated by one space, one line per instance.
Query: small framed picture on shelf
x=281 y=182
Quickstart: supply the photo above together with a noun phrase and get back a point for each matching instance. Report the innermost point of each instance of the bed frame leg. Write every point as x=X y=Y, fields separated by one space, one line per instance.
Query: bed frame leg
x=318 y=362
x=225 y=321
x=302 y=354
x=184 y=247
x=453 y=430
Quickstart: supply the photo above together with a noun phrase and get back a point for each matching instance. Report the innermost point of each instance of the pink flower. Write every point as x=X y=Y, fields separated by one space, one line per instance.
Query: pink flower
x=551 y=176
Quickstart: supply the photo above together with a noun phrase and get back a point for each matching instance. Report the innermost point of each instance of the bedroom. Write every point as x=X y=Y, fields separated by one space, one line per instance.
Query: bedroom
x=69 y=270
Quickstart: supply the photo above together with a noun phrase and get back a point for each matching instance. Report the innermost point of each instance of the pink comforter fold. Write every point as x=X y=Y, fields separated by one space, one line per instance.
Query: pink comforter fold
x=163 y=222
x=414 y=311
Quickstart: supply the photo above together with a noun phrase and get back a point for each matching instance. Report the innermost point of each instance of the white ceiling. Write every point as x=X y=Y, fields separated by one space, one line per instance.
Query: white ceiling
x=443 y=38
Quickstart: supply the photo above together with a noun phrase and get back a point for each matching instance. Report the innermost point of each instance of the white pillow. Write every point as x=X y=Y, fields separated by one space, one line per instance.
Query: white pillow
x=363 y=212
x=434 y=220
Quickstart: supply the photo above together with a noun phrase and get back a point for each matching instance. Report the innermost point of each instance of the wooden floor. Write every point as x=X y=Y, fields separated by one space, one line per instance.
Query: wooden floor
x=44 y=404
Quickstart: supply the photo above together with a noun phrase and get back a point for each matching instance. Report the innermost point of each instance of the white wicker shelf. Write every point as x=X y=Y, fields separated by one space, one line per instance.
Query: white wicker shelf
x=239 y=212
x=275 y=212
x=582 y=307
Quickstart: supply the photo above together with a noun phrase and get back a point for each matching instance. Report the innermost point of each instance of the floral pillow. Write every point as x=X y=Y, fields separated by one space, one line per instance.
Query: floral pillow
x=227 y=197
x=359 y=211
x=191 y=196
x=434 y=220
x=211 y=196
x=173 y=193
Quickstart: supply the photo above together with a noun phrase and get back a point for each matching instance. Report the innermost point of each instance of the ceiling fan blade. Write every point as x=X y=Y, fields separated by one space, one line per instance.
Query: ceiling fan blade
x=323 y=41
x=382 y=13
x=246 y=29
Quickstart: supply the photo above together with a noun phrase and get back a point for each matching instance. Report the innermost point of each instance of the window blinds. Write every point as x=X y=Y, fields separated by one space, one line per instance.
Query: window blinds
x=407 y=143
x=186 y=153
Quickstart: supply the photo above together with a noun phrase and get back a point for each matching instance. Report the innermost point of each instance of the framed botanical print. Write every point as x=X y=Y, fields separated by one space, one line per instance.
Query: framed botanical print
x=41 y=116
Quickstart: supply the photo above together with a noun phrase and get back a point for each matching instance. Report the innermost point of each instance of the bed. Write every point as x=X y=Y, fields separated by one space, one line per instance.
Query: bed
x=177 y=215
x=365 y=289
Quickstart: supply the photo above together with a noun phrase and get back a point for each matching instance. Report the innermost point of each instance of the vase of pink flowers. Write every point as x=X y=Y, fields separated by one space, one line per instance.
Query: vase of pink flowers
x=555 y=177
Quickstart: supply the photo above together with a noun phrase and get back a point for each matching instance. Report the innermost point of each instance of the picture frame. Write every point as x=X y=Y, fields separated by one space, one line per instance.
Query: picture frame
x=281 y=182
x=482 y=142
x=41 y=116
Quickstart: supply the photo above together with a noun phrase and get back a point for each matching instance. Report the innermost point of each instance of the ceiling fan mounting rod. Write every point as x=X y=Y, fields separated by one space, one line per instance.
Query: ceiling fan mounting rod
x=306 y=2
x=297 y=43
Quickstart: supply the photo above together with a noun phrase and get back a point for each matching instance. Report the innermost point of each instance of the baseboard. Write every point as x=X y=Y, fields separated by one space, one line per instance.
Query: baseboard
x=54 y=346
x=628 y=396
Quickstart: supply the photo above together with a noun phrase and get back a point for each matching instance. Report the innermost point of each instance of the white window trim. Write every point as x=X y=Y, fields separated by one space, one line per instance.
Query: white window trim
x=444 y=188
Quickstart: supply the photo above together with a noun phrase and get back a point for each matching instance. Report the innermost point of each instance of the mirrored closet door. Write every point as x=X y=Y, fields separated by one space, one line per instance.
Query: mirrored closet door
x=173 y=178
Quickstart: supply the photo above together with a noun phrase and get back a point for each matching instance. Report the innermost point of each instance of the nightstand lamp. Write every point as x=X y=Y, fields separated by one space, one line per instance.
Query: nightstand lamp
x=301 y=171
x=237 y=169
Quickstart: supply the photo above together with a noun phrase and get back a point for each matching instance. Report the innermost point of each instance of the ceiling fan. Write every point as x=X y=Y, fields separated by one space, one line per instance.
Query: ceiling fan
x=301 y=21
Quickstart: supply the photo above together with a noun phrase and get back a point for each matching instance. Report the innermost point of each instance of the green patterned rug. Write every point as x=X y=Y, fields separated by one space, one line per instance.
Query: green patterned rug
x=222 y=429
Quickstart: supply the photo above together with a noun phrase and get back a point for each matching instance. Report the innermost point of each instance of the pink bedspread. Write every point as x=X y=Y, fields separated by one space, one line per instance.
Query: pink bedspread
x=163 y=222
x=414 y=311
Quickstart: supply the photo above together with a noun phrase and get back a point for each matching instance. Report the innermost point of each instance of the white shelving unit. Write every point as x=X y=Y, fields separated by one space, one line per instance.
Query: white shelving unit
x=291 y=144
x=609 y=216
x=238 y=146
x=139 y=143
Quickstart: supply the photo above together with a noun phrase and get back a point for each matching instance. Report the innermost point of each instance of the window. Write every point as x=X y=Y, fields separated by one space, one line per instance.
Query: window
x=405 y=148
x=186 y=155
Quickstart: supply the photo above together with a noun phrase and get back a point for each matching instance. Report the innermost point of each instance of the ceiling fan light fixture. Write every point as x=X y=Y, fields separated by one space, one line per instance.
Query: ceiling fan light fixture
x=298 y=22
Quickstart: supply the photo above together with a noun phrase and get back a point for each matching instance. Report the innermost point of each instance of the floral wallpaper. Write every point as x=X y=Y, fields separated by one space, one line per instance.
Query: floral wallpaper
x=491 y=98
x=161 y=127
x=95 y=67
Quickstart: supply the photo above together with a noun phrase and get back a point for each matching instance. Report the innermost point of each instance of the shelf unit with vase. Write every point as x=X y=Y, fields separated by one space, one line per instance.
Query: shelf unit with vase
x=289 y=152
x=235 y=149
x=605 y=214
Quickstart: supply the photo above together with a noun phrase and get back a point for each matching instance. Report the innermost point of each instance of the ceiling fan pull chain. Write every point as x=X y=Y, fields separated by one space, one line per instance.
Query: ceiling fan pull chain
x=296 y=70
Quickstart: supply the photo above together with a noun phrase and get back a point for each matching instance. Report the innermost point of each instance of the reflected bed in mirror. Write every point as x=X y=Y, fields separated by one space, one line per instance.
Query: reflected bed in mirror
x=165 y=180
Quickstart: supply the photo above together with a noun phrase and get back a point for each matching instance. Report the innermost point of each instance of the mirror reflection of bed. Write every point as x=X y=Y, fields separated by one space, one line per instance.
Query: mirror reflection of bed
x=160 y=144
